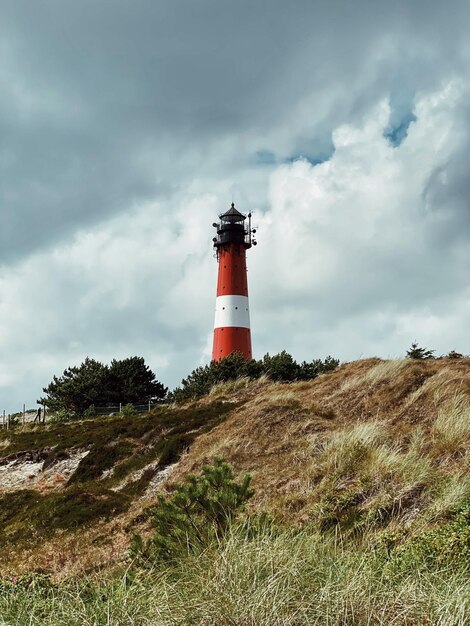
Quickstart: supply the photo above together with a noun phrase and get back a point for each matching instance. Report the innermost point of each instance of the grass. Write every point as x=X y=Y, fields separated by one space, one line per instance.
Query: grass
x=101 y=487
x=271 y=578
x=27 y=517
x=451 y=429
x=382 y=372
x=372 y=447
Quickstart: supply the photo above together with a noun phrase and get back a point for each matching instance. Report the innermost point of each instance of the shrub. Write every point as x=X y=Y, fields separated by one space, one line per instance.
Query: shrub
x=415 y=352
x=448 y=544
x=200 y=510
x=454 y=355
x=128 y=410
x=280 y=367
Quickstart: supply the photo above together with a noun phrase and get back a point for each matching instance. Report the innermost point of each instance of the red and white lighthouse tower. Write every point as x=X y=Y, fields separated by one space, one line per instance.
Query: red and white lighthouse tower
x=232 y=312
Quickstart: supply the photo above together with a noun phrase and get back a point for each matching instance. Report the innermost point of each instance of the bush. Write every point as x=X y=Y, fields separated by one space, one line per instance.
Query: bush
x=454 y=355
x=280 y=367
x=200 y=510
x=415 y=352
x=447 y=545
x=128 y=410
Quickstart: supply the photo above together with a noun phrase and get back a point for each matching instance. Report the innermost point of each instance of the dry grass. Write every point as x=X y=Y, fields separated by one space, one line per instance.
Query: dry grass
x=278 y=397
x=451 y=430
x=361 y=439
x=270 y=579
x=373 y=442
x=383 y=371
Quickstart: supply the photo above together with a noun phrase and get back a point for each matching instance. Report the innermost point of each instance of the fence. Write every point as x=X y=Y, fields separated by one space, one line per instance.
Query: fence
x=113 y=409
x=11 y=420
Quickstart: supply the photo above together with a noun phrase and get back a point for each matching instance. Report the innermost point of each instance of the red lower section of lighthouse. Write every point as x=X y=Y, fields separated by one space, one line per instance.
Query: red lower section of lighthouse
x=231 y=339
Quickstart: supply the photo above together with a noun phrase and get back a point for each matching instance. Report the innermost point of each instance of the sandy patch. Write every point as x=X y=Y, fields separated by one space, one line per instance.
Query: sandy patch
x=25 y=472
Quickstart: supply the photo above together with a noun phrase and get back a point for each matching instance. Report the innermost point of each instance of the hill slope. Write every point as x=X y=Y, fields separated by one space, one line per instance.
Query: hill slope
x=373 y=445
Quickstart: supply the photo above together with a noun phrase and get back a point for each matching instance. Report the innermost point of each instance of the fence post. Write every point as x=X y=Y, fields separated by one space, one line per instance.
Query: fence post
x=149 y=406
x=8 y=422
x=120 y=407
x=24 y=414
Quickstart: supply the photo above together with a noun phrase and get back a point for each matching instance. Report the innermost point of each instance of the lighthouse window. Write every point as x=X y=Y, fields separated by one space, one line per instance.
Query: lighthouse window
x=236 y=307
x=223 y=308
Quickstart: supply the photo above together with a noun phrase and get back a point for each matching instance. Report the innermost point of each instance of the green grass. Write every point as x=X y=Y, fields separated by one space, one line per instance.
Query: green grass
x=102 y=430
x=27 y=517
x=271 y=578
x=123 y=445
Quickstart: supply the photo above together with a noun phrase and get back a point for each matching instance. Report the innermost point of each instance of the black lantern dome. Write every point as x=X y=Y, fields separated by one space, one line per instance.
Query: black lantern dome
x=232 y=228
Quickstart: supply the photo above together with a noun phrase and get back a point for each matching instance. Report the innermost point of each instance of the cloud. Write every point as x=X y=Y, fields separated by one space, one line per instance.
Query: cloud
x=359 y=247
x=126 y=127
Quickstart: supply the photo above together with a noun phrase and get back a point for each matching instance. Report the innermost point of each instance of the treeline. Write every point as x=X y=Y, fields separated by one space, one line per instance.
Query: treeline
x=280 y=367
x=128 y=381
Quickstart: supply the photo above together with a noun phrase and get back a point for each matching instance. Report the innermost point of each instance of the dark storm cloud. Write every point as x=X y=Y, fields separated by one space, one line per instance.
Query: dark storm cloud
x=92 y=86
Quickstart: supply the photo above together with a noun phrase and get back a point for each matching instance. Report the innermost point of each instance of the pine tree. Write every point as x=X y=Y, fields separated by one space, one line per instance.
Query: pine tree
x=200 y=510
x=415 y=352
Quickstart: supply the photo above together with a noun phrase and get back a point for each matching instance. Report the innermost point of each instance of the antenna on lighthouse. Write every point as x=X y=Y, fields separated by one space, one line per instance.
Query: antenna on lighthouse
x=232 y=317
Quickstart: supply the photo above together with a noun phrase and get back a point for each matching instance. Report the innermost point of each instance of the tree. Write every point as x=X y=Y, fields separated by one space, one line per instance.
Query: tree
x=201 y=509
x=280 y=367
x=415 y=352
x=77 y=389
x=92 y=383
x=130 y=381
x=307 y=371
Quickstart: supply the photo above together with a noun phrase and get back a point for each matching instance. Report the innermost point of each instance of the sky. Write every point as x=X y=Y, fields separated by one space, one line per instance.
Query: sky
x=126 y=126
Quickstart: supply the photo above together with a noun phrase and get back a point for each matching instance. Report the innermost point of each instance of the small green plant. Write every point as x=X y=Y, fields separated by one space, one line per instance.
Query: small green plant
x=445 y=545
x=415 y=352
x=201 y=509
x=61 y=415
x=90 y=412
x=128 y=410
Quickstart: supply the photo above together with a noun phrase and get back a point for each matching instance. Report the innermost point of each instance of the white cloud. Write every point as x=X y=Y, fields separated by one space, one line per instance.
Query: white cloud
x=344 y=265
x=347 y=247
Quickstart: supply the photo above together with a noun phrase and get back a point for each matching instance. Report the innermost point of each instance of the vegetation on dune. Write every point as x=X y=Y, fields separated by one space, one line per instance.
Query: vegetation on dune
x=201 y=509
x=260 y=575
x=122 y=446
x=280 y=367
x=357 y=511
x=92 y=383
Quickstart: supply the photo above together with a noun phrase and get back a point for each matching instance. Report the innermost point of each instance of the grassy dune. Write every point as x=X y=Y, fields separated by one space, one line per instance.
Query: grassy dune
x=272 y=579
x=364 y=473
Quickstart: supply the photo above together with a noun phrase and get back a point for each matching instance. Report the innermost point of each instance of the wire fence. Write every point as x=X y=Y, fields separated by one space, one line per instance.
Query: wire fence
x=42 y=415
x=113 y=409
x=9 y=420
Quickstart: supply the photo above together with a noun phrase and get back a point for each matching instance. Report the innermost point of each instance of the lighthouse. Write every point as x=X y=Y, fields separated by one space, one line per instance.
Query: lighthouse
x=232 y=312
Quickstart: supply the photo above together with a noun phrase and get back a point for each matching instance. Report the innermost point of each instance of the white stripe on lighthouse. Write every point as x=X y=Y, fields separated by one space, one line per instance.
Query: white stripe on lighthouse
x=232 y=311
